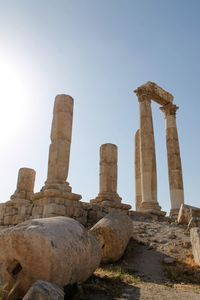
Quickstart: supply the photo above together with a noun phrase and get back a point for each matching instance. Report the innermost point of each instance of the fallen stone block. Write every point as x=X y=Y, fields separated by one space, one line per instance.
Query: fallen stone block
x=194 y=222
x=113 y=233
x=195 y=241
x=186 y=212
x=59 y=250
x=43 y=290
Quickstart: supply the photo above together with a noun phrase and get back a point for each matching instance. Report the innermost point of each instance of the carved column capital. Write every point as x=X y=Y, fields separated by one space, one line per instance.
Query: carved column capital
x=143 y=95
x=169 y=109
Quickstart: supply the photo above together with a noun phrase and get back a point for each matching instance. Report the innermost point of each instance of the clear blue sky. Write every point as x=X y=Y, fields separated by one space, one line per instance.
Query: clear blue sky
x=97 y=51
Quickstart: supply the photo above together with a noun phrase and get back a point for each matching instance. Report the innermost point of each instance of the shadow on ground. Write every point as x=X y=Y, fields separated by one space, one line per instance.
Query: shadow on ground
x=139 y=265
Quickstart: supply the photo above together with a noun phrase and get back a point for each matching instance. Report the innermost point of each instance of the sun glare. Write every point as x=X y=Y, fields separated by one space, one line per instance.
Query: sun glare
x=12 y=100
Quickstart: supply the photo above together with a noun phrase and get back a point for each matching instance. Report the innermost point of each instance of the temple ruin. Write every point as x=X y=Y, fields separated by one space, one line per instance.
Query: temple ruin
x=145 y=155
x=56 y=197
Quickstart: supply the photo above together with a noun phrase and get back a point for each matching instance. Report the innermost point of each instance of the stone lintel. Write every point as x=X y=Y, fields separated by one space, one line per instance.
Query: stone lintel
x=155 y=92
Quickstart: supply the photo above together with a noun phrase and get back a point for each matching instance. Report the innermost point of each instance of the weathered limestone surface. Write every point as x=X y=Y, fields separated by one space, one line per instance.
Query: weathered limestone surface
x=174 y=159
x=147 y=154
x=43 y=290
x=195 y=241
x=59 y=250
x=138 y=187
x=25 y=184
x=59 y=151
x=186 y=213
x=113 y=233
x=108 y=178
x=19 y=208
x=156 y=93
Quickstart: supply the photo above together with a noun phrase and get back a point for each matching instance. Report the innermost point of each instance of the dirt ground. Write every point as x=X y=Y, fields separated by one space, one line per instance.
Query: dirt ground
x=157 y=265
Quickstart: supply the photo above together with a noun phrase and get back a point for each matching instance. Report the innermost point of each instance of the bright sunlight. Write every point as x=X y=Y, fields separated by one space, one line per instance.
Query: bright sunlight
x=12 y=101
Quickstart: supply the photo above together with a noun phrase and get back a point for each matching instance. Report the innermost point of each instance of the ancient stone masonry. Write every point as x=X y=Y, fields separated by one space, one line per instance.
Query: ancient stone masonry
x=19 y=208
x=56 y=197
x=138 y=187
x=59 y=150
x=108 y=195
x=25 y=184
x=174 y=159
x=145 y=157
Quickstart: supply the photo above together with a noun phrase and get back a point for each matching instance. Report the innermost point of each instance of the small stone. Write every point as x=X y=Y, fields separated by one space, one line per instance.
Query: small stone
x=163 y=241
x=44 y=290
x=169 y=260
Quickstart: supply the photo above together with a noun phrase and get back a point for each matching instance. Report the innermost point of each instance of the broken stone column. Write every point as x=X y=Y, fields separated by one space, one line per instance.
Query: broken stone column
x=56 y=197
x=174 y=159
x=108 y=178
x=59 y=250
x=25 y=184
x=147 y=155
x=138 y=187
x=113 y=233
x=56 y=184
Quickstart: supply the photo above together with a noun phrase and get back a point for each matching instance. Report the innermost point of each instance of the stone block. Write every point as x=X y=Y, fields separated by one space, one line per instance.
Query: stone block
x=8 y=220
x=70 y=211
x=195 y=241
x=53 y=209
x=186 y=212
x=25 y=209
x=37 y=210
x=2 y=212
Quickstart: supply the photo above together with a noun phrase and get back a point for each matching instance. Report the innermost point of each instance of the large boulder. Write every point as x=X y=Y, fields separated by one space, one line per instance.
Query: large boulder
x=43 y=290
x=113 y=233
x=59 y=250
x=195 y=241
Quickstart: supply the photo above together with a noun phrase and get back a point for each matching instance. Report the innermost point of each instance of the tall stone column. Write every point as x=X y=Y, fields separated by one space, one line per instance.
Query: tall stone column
x=25 y=184
x=59 y=150
x=147 y=155
x=138 y=187
x=174 y=159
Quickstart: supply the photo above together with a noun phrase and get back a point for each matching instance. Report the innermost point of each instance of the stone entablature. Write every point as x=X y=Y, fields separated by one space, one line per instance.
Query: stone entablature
x=155 y=93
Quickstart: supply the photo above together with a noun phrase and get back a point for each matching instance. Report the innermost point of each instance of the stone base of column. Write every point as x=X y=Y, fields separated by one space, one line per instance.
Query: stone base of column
x=110 y=200
x=174 y=213
x=58 y=186
x=55 y=193
x=57 y=189
x=151 y=208
x=22 y=195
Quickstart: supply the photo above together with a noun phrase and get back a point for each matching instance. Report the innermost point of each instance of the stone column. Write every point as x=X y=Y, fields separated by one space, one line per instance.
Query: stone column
x=108 y=175
x=138 y=187
x=25 y=184
x=59 y=151
x=147 y=155
x=174 y=159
